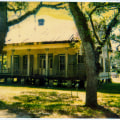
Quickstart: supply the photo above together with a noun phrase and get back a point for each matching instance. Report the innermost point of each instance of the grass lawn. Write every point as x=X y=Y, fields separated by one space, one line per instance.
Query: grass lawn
x=53 y=103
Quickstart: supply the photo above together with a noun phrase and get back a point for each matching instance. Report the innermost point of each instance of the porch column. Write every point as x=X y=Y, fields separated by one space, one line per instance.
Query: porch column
x=46 y=61
x=66 y=62
x=12 y=62
x=28 y=63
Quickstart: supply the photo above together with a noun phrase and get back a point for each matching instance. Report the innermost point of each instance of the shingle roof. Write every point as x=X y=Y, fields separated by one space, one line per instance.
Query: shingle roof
x=52 y=30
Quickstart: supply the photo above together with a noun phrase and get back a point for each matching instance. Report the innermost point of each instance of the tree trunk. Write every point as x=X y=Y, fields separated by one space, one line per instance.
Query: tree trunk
x=91 y=74
x=3 y=23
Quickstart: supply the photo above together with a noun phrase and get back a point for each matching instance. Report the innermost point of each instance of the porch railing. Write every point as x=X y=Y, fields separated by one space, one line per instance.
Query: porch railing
x=4 y=71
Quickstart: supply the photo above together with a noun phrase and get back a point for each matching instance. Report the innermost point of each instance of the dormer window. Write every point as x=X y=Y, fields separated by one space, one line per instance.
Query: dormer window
x=41 y=22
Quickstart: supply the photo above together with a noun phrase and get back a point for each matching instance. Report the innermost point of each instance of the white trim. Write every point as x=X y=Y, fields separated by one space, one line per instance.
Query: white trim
x=28 y=64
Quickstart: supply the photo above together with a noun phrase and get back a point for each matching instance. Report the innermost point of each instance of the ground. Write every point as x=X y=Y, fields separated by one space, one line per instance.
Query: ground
x=32 y=102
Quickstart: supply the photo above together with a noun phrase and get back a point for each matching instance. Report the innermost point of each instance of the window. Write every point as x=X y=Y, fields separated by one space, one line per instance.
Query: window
x=80 y=59
x=42 y=63
x=50 y=57
x=62 y=62
x=25 y=62
x=51 y=61
x=16 y=64
x=41 y=22
x=29 y=43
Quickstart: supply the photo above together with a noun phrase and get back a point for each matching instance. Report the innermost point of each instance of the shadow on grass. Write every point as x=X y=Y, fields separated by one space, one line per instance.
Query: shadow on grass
x=45 y=104
x=2 y=105
x=113 y=88
x=15 y=110
x=40 y=104
x=108 y=113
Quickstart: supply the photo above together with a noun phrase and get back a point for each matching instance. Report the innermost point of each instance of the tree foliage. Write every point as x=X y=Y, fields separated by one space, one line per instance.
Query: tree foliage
x=31 y=12
x=17 y=6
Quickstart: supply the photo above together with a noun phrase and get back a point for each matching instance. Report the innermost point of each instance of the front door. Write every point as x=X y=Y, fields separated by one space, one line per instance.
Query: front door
x=42 y=64
x=50 y=64
x=16 y=64
x=31 y=64
x=62 y=65
x=25 y=65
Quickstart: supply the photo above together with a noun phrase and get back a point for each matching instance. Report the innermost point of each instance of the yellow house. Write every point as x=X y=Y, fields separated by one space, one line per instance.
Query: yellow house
x=44 y=46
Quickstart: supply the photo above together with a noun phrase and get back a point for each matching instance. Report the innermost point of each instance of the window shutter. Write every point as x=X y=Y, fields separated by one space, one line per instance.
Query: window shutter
x=56 y=65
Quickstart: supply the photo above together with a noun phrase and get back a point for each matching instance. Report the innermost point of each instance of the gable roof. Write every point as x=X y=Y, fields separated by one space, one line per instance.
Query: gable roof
x=30 y=31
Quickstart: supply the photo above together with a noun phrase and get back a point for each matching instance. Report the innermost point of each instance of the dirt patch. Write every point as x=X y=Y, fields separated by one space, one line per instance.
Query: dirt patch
x=116 y=80
x=5 y=113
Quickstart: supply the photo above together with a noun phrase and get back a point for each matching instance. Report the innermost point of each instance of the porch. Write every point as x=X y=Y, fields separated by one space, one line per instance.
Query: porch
x=45 y=62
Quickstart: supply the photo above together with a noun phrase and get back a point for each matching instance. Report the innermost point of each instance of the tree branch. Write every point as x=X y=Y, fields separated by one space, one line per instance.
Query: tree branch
x=117 y=48
x=13 y=9
x=116 y=40
x=94 y=9
x=93 y=28
x=112 y=24
x=103 y=5
x=23 y=17
x=34 y=11
x=57 y=6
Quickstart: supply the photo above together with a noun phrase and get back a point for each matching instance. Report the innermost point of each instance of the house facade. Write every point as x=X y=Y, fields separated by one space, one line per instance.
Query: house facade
x=49 y=47
x=56 y=59
x=105 y=63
